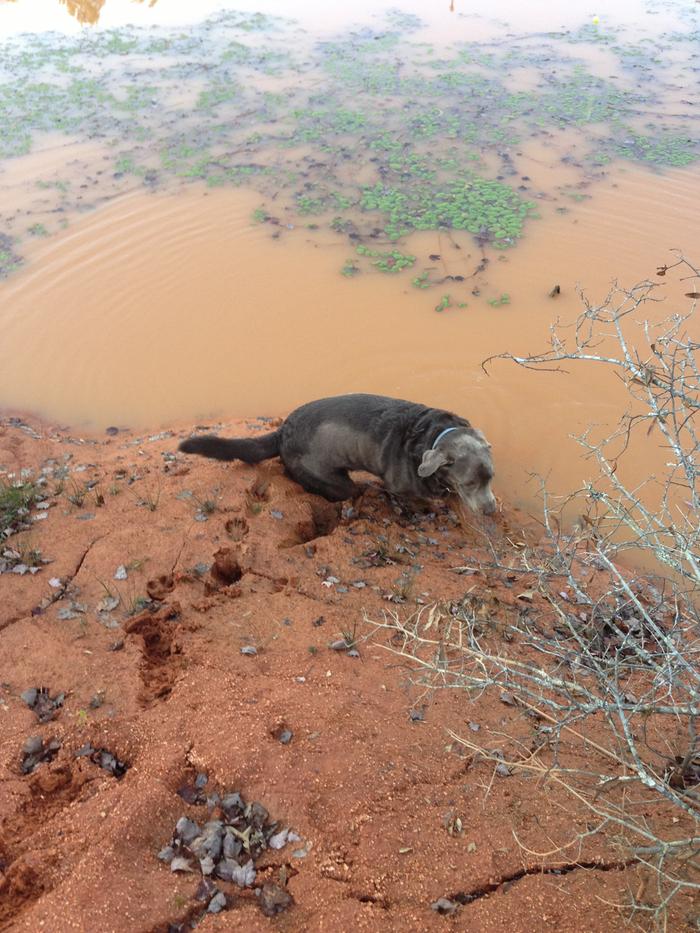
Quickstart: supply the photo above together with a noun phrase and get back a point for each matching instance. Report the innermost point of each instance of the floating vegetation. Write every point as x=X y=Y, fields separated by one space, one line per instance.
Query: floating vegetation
x=350 y=268
x=391 y=261
x=490 y=210
x=444 y=303
x=661 y=149
x=9 y=260
x=373 y=133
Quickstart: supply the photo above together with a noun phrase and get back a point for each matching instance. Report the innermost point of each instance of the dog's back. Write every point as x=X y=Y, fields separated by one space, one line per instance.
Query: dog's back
x=394 y=439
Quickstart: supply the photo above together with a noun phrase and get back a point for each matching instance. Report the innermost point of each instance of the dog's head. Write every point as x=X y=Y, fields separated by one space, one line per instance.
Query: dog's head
x=463 y=462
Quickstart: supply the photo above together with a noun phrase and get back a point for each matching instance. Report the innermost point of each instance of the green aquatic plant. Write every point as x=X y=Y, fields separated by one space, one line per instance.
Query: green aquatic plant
x=581 y=97
x=662 y=149
x=350 y=268
x=309 y=205
x=217 y=94
x=391 y=261
x=503 y=299
x=444 y=303
x=9 y=259
x=432 y=135
x=488 y=209
x=421 y=281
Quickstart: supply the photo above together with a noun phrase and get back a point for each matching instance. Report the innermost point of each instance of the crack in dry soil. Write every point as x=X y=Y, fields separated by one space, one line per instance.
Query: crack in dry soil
x=463 y=897
x=59 y=594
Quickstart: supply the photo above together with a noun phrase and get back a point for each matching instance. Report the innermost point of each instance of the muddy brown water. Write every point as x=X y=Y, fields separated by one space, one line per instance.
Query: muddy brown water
x=163 y=307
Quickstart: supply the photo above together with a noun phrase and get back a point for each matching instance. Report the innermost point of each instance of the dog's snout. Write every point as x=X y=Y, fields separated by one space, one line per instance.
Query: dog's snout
x=488 y=508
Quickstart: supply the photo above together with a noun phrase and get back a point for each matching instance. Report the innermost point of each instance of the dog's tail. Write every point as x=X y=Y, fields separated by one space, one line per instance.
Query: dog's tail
x=248 y=449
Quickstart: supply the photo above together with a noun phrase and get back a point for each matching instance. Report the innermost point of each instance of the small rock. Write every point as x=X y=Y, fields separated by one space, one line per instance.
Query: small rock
x=65 y=614
x=273 y=899
x=279 y=840
x=34 y=744
x=42 y=703
x=444 y=906
x=30 y=696
x=34 y=751
x=285 y=736
x=210 y=841
x=186 y=830
x=232 y=846
x=242 y=875
x=217 y=903
x=107 y=604
x=232 y=805
x=206 y=889
x=249 y=649
x=179 y=863
x=120 y=573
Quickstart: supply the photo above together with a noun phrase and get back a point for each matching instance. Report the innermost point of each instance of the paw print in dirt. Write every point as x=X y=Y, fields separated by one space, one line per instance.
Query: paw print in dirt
x=159 y=587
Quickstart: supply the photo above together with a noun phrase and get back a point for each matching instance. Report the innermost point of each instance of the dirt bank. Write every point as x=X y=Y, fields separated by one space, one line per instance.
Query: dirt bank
x=186 y=617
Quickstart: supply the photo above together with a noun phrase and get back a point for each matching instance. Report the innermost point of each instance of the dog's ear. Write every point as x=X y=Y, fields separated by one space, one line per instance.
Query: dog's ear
x=432 y=461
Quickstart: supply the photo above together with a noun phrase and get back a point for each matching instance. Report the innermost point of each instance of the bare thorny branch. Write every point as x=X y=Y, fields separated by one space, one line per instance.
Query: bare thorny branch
x=607 y=675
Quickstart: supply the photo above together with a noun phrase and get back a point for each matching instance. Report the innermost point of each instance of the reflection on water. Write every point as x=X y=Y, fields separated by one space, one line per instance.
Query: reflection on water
x=85 y=11
x=299 y=212
x=88 y=11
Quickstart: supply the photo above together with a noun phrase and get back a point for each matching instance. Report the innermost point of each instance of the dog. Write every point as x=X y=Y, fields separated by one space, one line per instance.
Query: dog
x=419 y=452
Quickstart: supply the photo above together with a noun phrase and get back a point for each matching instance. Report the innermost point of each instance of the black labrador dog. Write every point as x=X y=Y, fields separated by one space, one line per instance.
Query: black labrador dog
x=419 y=452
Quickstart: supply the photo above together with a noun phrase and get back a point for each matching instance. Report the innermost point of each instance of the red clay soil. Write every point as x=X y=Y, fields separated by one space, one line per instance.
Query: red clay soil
x=218 y=557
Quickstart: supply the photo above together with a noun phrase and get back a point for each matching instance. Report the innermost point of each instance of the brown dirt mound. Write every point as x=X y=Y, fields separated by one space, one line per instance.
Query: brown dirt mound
x=190 y=640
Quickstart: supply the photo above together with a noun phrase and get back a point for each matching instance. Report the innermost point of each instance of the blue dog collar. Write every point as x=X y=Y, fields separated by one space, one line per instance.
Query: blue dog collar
x=440 y=436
